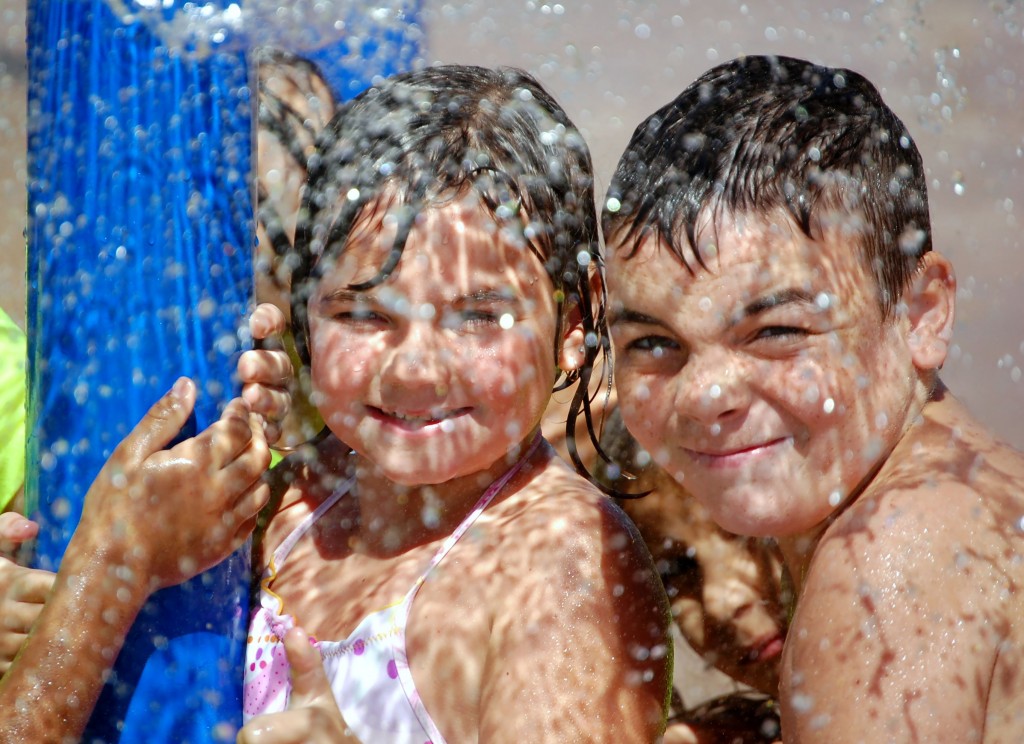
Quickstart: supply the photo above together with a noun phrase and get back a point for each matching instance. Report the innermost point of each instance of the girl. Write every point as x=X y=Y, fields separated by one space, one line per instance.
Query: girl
x=460 y=582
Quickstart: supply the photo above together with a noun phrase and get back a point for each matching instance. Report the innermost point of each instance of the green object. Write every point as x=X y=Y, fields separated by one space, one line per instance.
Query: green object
x=12 y=409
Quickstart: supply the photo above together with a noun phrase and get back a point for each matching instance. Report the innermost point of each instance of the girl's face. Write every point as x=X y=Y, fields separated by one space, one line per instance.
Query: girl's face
x=441 y=369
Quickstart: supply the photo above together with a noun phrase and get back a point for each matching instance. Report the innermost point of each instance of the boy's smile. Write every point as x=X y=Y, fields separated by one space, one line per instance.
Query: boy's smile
x=748 y=381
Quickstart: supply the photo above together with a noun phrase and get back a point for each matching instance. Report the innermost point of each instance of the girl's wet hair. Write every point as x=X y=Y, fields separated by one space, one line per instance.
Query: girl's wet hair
x=421 y=139
x=294 y=102
x=759 y=133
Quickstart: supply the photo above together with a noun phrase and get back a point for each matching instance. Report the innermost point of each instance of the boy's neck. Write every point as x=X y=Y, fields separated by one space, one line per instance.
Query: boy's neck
x=798 y=550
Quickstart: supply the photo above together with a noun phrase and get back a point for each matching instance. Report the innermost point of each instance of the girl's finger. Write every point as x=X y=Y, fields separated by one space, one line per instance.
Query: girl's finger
x=266 y=367
x=18 y=617
x=275 y=728
x=267 y=320
x=31 y=585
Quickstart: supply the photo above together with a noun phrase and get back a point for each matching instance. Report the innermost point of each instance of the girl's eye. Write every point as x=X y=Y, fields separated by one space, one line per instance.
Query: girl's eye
x=359 y=316
x=656 y=345
x=475 y=317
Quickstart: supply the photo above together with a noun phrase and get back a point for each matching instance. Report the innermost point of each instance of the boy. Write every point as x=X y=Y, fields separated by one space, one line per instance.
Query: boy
x=779 y=320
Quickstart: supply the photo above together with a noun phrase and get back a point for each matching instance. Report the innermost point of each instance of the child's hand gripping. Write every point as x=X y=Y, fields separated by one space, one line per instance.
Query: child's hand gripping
x=266 y=372
x=312 y=716
x=22 y=590
x=166 y=515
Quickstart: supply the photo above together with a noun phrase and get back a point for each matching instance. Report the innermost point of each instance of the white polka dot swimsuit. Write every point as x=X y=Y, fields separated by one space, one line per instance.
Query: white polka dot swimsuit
x=368 y=671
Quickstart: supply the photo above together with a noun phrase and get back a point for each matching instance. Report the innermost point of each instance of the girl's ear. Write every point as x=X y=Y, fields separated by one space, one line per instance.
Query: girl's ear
x=572 y=352
x=931 y=304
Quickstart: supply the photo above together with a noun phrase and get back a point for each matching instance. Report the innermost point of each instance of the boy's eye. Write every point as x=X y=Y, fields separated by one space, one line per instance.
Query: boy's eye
x=779 y=332
x=472 y=317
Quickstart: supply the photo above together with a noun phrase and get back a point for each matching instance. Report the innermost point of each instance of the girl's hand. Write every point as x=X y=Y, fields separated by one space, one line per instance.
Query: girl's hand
x=266 y=373
x=165 y=516
x=312 y=716
x=22 y=590
x=15 y=530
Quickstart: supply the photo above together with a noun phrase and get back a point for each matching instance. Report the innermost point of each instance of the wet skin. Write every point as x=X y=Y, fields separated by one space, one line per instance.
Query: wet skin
x=437 y=379
x=748 y=382
x=773 y=388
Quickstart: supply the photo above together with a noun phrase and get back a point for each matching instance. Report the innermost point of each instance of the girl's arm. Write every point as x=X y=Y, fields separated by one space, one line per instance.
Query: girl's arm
x=580 y=651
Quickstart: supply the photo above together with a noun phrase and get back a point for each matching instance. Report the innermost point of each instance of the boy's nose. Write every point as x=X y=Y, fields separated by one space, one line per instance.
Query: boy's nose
x=712 y=387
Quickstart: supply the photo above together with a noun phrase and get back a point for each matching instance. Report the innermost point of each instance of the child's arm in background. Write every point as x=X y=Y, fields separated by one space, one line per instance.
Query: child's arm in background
x=265 y=375
x=128 y=544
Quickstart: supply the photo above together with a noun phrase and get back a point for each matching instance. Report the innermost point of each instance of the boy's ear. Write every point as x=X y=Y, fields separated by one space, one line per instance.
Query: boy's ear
x=572 y=352
x=931 y=304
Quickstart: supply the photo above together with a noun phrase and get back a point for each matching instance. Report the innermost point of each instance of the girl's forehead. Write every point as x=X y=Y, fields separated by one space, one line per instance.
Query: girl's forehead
x=452 y=247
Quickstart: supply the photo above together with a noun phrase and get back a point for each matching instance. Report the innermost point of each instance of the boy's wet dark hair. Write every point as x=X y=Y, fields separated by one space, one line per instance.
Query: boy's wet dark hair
x=423 y=138
x=761 y=133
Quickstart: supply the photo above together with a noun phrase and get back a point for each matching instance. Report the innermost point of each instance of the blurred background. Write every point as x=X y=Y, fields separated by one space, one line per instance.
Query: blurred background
x=952 y=69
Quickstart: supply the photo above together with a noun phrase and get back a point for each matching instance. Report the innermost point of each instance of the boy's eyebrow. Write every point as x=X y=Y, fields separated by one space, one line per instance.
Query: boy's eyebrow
x=774 y=299
x=632 y=316
x=760 y=305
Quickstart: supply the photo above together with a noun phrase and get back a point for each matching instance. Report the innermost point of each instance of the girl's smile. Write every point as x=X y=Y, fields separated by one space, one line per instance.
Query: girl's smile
x=422 y=422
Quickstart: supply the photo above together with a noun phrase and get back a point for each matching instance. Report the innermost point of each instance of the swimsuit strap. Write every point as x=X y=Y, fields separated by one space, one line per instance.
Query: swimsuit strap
x=295 y=535
x=478 y=509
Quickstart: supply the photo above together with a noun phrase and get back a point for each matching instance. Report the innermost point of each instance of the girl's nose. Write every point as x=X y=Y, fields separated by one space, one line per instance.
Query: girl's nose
x=418 y=364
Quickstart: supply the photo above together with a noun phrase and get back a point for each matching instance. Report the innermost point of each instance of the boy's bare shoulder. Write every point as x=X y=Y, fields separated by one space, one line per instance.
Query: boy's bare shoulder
x=943 y=515
x=910 y=602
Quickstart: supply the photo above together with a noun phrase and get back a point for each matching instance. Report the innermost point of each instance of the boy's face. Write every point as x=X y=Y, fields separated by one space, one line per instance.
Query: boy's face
x=768 y=384
x=437 y=372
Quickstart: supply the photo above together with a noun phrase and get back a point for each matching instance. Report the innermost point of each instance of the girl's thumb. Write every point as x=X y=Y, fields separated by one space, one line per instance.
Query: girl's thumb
x=309 y=680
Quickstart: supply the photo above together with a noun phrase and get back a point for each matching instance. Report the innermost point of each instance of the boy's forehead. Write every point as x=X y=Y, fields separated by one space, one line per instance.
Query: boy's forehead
x=750 y=252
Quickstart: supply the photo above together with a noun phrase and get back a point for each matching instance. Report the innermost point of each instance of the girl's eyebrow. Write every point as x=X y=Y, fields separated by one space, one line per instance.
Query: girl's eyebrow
x=347 y=295
x=343 y=295
x=486 y=295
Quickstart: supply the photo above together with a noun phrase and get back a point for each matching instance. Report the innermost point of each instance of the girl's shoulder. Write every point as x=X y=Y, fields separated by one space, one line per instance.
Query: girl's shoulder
x=557 y=512
x=299 y=484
